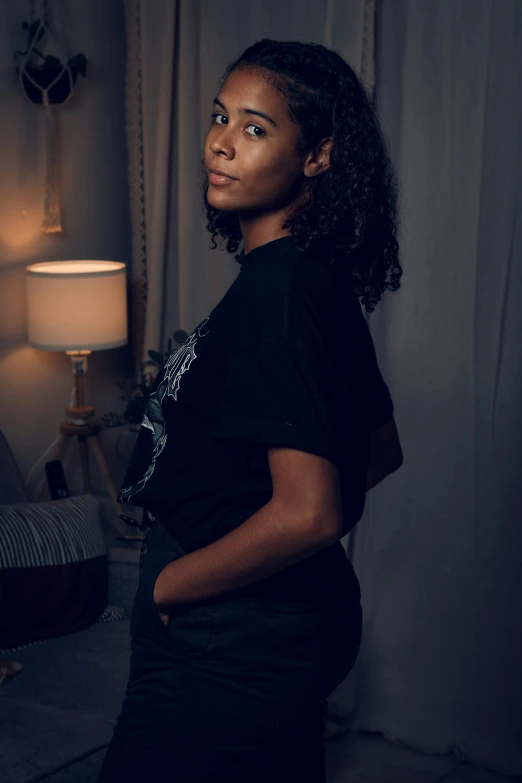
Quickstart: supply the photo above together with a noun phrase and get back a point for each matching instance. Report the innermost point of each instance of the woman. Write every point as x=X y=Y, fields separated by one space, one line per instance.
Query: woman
x=252 y=458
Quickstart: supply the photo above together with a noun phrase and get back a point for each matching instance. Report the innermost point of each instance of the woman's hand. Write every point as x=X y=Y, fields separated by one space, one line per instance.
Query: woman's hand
x=158 y=596
x=165 y=618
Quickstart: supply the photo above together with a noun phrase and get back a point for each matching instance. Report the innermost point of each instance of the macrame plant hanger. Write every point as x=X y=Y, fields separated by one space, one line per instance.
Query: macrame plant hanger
x=48 y=81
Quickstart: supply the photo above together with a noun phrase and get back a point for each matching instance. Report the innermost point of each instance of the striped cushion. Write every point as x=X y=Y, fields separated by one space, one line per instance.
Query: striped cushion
x=53 y=568
x=51 y=532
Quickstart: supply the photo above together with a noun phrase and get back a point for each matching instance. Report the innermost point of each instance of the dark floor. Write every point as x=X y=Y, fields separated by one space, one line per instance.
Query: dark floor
x=357 y=758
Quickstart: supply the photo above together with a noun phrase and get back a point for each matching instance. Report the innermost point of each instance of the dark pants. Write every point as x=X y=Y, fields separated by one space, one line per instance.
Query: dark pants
x=235 y=689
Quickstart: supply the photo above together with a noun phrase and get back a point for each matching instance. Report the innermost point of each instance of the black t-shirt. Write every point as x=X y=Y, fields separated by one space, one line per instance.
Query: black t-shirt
x=285 y=358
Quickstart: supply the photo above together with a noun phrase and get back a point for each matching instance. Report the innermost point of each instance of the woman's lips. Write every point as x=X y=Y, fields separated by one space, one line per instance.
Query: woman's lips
x=217 y=179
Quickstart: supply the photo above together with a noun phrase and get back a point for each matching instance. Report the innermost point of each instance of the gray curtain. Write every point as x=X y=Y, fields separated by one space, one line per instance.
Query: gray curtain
x=438 y=549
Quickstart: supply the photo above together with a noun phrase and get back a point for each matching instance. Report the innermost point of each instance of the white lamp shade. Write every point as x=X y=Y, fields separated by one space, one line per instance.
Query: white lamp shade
x=77 y=305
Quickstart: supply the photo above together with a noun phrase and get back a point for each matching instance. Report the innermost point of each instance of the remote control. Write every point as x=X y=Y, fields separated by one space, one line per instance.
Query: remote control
x=56 y=480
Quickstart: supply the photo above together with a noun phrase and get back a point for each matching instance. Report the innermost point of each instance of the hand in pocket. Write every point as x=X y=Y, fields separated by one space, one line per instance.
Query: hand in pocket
x=159 y=595
x=164 y=617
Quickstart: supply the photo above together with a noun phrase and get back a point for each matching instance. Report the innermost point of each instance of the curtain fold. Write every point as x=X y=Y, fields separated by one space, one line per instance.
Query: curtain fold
x=437 y=551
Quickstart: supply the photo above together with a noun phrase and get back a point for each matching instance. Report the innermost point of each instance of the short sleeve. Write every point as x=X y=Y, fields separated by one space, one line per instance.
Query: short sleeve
x=281 y=393
x=379 y=401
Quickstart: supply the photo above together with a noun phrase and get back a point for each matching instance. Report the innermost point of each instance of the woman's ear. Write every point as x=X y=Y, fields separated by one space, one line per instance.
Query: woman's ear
x=319 y=159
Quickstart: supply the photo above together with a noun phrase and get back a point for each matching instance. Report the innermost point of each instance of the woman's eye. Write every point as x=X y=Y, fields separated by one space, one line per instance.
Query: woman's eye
x=218 y=114
x=256 y=126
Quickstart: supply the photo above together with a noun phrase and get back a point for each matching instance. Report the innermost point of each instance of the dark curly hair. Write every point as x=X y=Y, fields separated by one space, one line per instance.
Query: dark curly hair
x=350 y=217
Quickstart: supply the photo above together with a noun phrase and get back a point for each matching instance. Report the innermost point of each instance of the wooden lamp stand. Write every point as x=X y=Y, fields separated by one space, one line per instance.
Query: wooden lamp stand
x=80 y=426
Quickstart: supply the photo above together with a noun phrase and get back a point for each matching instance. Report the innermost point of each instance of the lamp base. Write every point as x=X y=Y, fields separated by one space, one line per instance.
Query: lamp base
x=87 y=435
x=82 y=426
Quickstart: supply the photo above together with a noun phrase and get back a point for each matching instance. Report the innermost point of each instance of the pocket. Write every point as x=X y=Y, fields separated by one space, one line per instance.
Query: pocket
x=191 y=625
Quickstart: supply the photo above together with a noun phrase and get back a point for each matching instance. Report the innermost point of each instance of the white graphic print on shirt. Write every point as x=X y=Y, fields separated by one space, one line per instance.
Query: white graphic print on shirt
x=176 y=365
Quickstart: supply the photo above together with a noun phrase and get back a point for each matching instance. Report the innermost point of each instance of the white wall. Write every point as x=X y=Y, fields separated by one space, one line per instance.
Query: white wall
x=35 y=386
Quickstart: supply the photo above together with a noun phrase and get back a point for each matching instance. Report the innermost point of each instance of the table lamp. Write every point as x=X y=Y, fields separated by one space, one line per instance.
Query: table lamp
x=78 y=307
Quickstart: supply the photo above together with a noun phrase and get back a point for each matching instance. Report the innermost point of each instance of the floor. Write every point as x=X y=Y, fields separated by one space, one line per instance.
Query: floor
x=364 y=757
x=360 y=757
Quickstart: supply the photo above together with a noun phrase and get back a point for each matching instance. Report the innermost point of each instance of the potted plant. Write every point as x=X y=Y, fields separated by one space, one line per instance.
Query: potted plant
x=136 y=395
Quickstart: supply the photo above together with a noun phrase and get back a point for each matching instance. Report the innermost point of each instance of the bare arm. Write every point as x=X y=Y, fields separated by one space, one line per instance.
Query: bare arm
x=301 y=518
x=270 y=540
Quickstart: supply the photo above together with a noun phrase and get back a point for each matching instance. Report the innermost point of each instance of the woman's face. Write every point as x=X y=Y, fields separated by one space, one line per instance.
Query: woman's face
x=259 y=153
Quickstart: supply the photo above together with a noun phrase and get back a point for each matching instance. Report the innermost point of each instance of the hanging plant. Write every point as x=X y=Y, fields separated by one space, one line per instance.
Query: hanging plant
x=136 y=395
x=47 y=80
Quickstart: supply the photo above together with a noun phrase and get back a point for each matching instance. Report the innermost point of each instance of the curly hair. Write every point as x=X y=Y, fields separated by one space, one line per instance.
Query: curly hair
x=350 y=215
